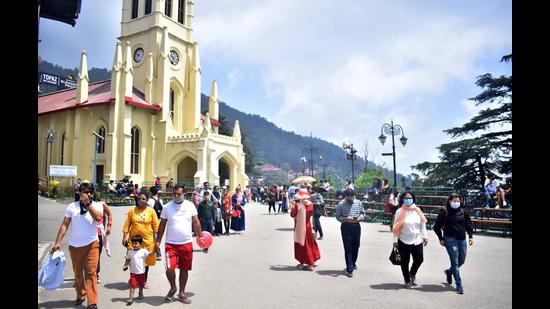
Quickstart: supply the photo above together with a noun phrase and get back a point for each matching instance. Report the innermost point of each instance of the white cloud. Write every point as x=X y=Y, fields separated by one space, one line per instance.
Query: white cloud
x=233 y=77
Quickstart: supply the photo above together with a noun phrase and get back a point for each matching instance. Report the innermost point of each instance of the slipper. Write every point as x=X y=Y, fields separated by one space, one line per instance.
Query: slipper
x=170 y=297
x=184 y=299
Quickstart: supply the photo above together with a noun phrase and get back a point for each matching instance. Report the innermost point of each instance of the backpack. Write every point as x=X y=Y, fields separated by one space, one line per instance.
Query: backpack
x=158 y=207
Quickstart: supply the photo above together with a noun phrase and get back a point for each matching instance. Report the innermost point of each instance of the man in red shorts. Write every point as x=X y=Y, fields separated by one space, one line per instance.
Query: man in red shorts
x=176 y=217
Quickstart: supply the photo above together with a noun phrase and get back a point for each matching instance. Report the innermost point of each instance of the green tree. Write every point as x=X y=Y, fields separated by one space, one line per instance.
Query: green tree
x=464 y=163
x=365 y=179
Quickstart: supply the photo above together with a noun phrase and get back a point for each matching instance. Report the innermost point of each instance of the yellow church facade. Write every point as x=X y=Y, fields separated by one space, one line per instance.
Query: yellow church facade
x=148 y=115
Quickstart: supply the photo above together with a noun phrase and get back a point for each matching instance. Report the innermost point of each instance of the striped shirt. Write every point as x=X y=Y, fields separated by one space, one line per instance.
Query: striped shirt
x=346 y=208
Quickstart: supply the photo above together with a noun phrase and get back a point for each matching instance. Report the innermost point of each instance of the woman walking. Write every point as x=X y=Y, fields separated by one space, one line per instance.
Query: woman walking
x=238 y=202
x=409 y=237
x=455 y=222
x=142 y=220
x=306 y=250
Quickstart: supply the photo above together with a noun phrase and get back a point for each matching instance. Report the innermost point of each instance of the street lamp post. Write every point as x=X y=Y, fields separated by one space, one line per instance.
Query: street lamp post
x=50 y=137
x=393 y=130
x=351 y=155
x=97 y=138
x=303 y=161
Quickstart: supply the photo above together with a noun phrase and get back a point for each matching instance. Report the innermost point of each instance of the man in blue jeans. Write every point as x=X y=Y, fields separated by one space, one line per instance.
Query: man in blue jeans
x=318 y=210
x=206 y=214
x=350 y=212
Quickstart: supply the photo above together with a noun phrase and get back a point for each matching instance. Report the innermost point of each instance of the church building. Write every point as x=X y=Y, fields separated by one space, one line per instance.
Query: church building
x=148 y=115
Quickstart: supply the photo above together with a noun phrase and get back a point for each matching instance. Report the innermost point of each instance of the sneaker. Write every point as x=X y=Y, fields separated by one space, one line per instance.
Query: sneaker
x=108 y=251
x=449 y=276
x=408 y=285
x=349 y=274
x=413 y=281
x=459 y=289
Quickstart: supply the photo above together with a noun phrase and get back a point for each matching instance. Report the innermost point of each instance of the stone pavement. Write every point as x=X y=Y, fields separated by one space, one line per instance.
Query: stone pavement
x=257 y=270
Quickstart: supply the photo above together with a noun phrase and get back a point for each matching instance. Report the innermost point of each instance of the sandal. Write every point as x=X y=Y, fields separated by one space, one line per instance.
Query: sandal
x=169 y=297
x=129 y=301
x=184 y=299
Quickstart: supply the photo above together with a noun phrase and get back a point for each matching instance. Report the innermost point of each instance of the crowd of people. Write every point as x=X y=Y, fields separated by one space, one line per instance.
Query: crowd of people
x=218 y=210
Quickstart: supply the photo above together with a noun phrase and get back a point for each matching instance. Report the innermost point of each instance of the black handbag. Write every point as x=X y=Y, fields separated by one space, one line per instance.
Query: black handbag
x=395 y=257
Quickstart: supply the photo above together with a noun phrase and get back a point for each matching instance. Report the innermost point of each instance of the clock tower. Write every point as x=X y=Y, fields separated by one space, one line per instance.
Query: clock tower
x=156 y=35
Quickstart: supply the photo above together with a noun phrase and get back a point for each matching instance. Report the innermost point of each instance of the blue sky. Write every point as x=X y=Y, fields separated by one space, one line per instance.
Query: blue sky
x=338 y=69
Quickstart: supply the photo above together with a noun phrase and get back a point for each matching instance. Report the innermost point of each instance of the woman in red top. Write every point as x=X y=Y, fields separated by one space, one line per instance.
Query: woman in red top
x=306 y=250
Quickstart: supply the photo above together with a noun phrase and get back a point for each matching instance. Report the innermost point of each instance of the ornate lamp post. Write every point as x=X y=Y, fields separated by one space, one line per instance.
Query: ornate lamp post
x=393 y=130
x=351 y=155
x=50 y=137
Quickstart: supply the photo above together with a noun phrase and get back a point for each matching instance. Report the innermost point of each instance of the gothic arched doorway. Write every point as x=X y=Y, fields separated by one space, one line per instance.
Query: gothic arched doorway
x=186 y=171
x=224 y=171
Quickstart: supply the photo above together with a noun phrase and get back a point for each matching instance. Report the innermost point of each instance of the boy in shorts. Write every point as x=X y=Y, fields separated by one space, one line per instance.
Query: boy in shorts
x=136 y=259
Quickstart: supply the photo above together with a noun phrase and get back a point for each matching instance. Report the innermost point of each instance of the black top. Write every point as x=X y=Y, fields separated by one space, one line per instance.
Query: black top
x=206 y=210
x=454 y=224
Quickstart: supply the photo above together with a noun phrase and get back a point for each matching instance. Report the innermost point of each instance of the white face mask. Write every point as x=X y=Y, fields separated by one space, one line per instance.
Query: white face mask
x=455 y=205
x=178 y=199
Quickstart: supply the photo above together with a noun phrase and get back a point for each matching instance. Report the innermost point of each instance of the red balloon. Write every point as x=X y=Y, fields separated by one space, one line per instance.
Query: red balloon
x=207 y=240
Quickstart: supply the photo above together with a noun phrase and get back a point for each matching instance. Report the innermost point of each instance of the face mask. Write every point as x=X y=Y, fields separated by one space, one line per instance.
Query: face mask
x=142 y=202
x=408 y=201
x=178 y=199
x=455 y=205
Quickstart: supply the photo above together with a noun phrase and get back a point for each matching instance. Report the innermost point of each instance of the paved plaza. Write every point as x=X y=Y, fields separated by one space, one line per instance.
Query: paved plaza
x=257 y=270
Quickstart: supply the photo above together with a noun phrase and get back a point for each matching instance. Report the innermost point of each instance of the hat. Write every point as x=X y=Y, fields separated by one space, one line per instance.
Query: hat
x=349 y=192
x=85 y=181
x=302 y=194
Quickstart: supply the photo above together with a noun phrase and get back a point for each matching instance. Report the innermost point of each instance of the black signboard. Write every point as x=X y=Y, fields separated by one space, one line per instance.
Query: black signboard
x=60 y=82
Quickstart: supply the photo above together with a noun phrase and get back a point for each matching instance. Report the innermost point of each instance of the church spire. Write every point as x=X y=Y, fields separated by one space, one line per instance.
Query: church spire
x=237 y=130
x=149 y=80
x=82 y=80
x=213 y=105
x=115 y=73
x=128 y=72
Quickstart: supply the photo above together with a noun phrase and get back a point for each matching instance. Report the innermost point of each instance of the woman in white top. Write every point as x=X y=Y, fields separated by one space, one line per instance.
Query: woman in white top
x=409 y=236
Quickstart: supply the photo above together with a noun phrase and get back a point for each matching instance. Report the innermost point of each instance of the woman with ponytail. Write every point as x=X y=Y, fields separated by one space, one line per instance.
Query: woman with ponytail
x=455 y=222
x=409 y=236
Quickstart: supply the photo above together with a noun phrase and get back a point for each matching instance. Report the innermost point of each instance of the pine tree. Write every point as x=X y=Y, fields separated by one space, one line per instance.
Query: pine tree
x=464 y=163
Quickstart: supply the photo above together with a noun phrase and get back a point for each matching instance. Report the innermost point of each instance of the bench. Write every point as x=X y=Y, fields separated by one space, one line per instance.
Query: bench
x=493 y=224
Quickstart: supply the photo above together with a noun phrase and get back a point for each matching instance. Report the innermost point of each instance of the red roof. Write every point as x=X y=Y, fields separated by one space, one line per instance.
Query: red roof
x=99 y=93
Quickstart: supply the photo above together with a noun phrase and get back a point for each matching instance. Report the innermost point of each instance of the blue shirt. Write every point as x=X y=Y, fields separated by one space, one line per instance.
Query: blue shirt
x=51 y=273
x=346 y=208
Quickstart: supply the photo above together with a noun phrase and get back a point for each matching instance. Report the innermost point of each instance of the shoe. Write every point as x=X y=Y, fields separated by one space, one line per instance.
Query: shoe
x=408 y=285
x=459 y=289
x=449 y=276
x=129 y=301
x=108 y=251
x=140 y=295
x=349 y=274
x=205 y=250
x=92 y=306
x=354 y=267
x=79 y=302
x=413 y=280
x=159 y=257
x=320 y=238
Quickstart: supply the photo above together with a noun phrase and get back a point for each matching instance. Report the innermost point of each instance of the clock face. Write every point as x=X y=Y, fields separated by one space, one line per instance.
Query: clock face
x=138 y=55
x=174 y=58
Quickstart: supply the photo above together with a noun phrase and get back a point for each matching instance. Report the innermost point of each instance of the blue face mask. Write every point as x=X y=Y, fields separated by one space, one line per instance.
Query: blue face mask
x=408 y=201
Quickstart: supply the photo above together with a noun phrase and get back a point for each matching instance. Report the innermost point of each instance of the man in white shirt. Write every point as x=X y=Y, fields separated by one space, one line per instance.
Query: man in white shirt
x=177 y=217
x=83 y=244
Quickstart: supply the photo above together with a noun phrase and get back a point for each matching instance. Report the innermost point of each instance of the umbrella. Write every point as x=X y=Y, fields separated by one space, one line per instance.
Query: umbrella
x=304 y=179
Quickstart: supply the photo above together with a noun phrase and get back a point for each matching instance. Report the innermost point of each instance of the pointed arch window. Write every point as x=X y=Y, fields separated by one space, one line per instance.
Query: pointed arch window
x=135 y=4
x=134 y=151
x=148 y=6
x=101 y=147
x=181 y=11
x=168 y=8
x=172 y=98
x=62 y=147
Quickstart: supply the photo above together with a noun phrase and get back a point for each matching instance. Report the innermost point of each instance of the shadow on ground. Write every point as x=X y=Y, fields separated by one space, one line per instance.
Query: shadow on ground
x=121 y=286
x=57 y=304
x=384 y=231
x=283 y=268
x=150 y=300
x=332 y=273
x=420 y=287
x=287 y=229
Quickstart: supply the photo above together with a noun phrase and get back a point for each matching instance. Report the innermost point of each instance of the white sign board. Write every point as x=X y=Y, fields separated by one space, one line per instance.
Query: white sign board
x=227 y=182
x=63 y=170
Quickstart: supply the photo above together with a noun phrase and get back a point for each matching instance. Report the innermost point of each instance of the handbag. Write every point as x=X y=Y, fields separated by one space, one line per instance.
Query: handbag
x=395 y=257
x=236 y=213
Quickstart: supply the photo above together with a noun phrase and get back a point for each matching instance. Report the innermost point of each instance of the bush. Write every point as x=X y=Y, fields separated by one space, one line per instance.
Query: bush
x=53 y=188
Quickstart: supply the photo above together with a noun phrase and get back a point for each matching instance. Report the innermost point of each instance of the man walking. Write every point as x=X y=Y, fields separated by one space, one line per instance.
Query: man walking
x=83 y=244
x=177 y=217
x=318 y=210
x=350 y=212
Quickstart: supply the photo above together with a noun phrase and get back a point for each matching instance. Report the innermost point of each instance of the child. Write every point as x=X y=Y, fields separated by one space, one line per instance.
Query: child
x=136 y=259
